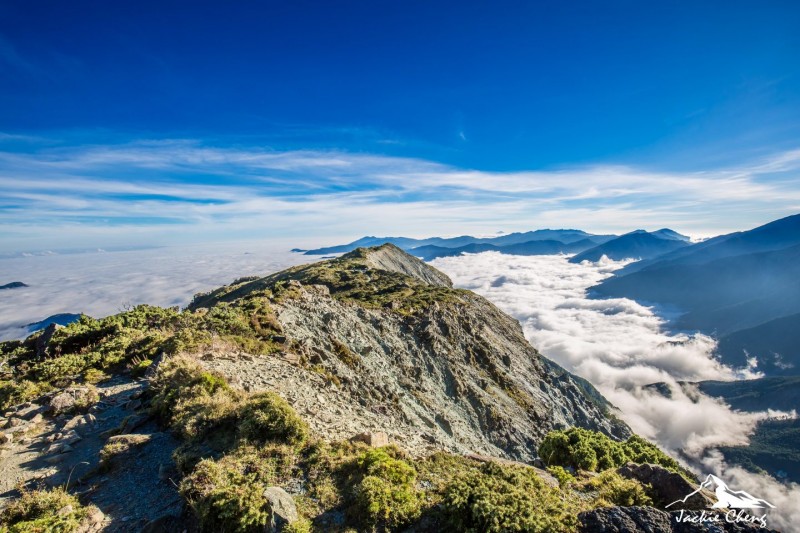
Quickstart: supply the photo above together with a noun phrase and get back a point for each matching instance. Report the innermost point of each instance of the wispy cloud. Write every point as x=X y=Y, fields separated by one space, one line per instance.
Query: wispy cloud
x=69 y=192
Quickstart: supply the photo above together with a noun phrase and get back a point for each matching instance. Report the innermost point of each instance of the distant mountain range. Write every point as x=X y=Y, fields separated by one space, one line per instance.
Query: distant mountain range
x=743 y=288
x=637 y=244
x=539 y=242
x=564 y=236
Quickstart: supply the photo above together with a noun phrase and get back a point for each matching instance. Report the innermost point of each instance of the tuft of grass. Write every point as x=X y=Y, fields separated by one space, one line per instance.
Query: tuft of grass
x=613 y=489
x=118 y=445
x=38 y=511
x=565 y=479
x=344 y=354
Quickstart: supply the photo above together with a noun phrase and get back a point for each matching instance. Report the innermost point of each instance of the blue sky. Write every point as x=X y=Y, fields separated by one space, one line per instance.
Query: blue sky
x=132 y=123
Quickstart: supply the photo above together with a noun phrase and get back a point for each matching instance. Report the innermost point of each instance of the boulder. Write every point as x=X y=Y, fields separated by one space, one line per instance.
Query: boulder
x=282 y=509
x=665 y=486
x=62 y=402
x=375 y=440
x=624 y=520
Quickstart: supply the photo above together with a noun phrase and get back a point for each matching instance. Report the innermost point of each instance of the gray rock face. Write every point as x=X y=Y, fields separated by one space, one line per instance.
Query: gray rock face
x=392 y=259
x=282 y=509
x=666 y=486
x=62 y=402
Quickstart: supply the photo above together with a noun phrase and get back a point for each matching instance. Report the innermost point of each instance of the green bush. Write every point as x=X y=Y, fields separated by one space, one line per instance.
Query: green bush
x=584 y=449
x=564 y=478
x=614 y=489
x=37 y=512
x=386 y=496
x=140 y=367
x=267 y=417
x=507 y=499
x=228 y=494
x=195 y=403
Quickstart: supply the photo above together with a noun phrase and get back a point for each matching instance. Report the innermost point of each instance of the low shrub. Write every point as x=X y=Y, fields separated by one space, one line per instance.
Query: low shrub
x=386 y=496
x=267 y=417
x=584 y=449
x=140 y=367
x=564 y=478
x=614 y=489
x=228 y=494
x=37 y=511
x=507 y=499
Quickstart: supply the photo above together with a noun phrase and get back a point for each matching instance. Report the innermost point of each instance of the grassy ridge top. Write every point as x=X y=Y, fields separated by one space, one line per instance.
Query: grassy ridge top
x=352 y=277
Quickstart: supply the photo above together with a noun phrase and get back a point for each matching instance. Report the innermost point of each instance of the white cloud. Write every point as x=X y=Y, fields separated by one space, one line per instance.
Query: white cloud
x=56 y=194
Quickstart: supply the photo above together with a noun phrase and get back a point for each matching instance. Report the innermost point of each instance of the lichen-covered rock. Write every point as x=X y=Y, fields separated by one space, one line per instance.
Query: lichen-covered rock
x=62 y=402
x=282 y=509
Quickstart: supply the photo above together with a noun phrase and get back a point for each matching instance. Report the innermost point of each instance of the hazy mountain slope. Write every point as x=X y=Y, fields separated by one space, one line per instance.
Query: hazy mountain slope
x=775 y=344
x=779 y=393
x=720 y=296
x=666 y=233
x=637 y=245
x=427 y=356
x=775 y=444
x=775 y=235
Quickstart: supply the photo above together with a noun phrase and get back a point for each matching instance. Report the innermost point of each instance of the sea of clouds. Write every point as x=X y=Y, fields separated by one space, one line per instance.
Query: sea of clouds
x=621 y=346
x=103 y=283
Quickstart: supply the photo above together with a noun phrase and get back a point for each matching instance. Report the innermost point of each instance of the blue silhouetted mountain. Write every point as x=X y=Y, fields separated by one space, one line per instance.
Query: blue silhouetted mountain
x=62 y=319
x=545 y=247
x=13 y=285
x=666 y=233
x=778 y=234
x=565 y=236
x=743 y=288
x=721 y=296
x=637 y=244
x=774 y=344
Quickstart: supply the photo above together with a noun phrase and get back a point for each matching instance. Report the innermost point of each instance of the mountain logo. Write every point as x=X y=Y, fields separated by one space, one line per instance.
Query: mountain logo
x=727 y=498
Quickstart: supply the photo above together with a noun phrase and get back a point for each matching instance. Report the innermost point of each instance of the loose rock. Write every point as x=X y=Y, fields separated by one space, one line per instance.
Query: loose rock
x=282 y=509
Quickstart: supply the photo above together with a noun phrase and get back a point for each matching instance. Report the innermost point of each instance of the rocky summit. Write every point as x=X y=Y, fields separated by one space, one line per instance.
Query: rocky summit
x=432 y=366
x=361 y=393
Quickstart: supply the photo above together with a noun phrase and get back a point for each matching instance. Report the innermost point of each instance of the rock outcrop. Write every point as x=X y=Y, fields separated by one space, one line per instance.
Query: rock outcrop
x=665 y=486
